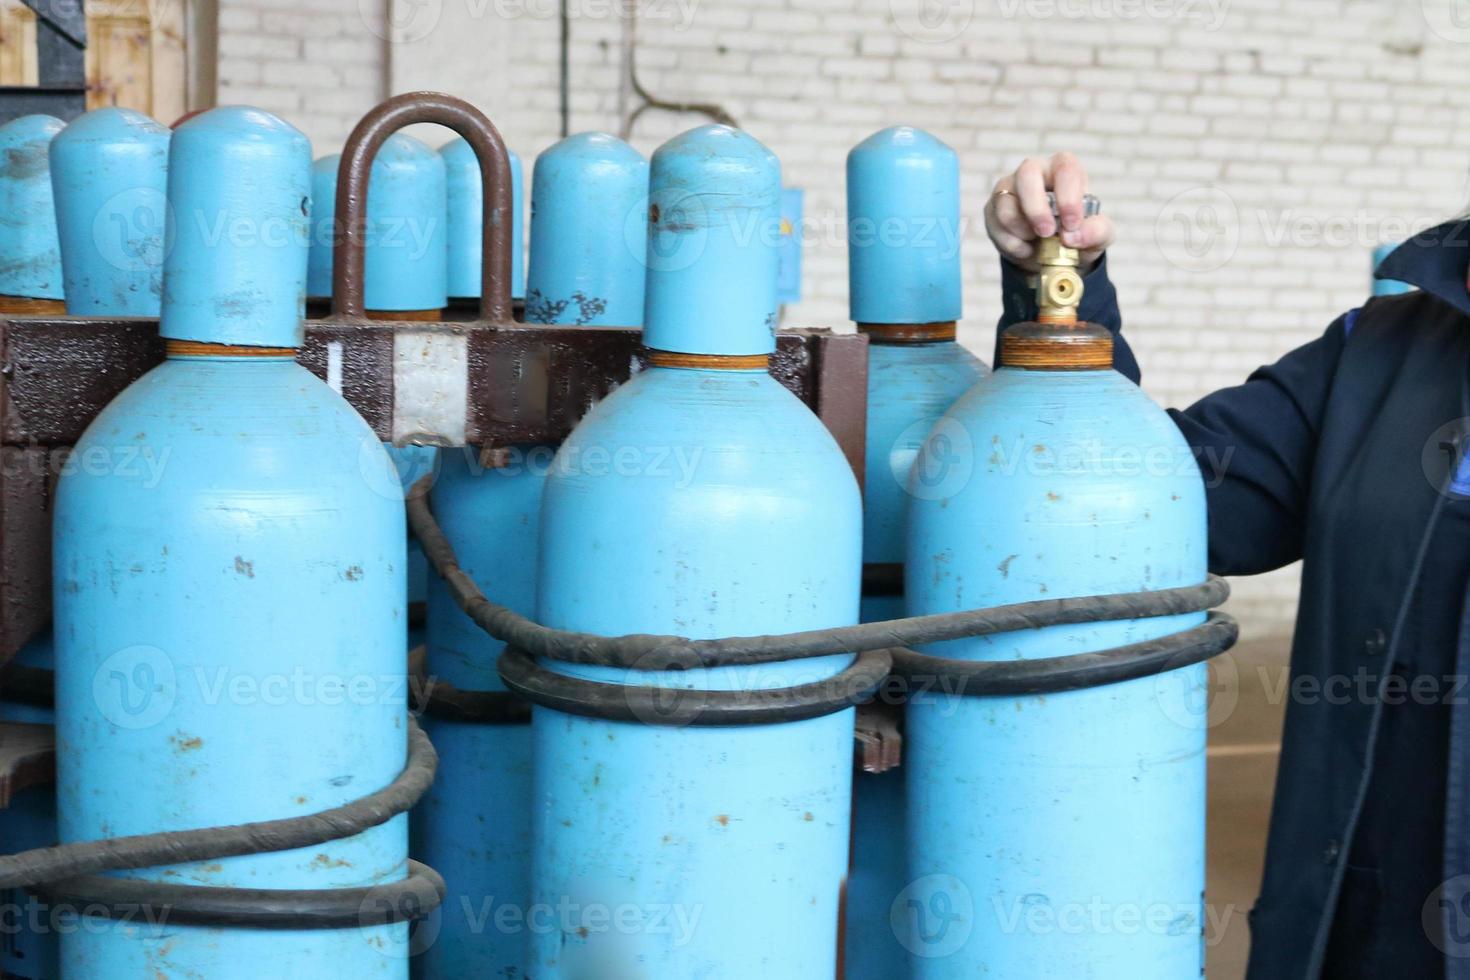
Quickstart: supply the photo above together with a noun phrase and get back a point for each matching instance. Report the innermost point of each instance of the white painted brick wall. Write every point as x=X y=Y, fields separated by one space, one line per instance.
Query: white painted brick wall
x=312 y=62
x=1282 y=140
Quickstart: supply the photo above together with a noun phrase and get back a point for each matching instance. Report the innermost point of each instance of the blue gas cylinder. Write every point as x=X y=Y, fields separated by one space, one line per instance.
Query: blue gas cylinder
x=466 y=212
x=475 y=823
x=229 y=618
x=109 y=168
x=589 y=193
x=903 y=212
x=1387 y=287
x=1057 y=835
x=323 y=225
x=406 y=255
x=904 y=239
x=29 y=928
x=700 y=498
x=405 y=260
x=30 y=258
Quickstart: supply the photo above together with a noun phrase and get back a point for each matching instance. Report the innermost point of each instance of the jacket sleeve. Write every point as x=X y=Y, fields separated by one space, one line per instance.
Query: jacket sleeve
x=1255 y=442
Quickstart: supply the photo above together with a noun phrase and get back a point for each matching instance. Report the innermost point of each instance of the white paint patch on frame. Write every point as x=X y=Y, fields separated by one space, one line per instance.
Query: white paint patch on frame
x=430 y=387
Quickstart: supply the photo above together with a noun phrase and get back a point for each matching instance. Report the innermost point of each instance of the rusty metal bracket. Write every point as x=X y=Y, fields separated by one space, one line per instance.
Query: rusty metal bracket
x=349 y=255
x=879 y=736
x=523 y=383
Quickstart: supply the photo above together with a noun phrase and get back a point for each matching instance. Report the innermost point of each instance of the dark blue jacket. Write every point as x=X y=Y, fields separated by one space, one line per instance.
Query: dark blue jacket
x=1341 y=454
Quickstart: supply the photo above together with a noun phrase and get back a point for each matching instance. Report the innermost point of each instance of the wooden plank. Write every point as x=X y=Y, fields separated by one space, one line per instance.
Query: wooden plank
x=17 y=44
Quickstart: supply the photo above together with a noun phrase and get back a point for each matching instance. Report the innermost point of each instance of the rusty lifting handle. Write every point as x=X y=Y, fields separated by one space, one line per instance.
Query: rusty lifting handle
x=348 y=259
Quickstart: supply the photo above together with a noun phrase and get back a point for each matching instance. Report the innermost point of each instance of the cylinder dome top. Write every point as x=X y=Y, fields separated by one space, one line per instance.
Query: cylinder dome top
x=112 y=125
x=714 y=229
x=594 y=154
x=239 y=195
x=903 y=229
x=25 y=131
x=589 y=193
x=405 y=251
x=406 y=265
x=109 y=168
x=903 y=142
x=459 y=157
x=30 y=258
x=720 y=162
x=402 y=151
x=323 y=206
x=466 y=209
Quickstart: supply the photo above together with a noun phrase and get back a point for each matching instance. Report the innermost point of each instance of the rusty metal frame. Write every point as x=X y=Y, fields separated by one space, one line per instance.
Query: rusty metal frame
x=527 y=383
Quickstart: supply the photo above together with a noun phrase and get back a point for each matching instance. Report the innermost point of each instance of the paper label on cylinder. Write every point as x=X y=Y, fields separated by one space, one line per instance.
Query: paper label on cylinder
x=430 y=387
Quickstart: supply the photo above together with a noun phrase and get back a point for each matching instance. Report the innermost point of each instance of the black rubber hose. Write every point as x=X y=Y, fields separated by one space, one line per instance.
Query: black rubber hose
x=678 y=707
x=637 y=651
x=211 y=843
x=412 y=897
x=443 y=700
x=1048 y=675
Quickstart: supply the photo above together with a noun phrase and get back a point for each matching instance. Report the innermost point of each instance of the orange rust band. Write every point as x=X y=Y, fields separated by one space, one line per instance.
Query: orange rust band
x=196 y=348
x=909 y=333
x=719 y=362
x=420 y=316
x=26 y=306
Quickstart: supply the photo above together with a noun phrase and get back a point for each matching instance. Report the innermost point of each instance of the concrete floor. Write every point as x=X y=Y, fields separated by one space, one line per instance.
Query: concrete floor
x=1242 y=758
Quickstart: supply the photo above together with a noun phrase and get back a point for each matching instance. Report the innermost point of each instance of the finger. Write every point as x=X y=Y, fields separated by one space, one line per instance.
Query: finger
x=1008 y=216
x=1019 y=250
x=1094 y=235
x=1069 y=183
x=1031 y=180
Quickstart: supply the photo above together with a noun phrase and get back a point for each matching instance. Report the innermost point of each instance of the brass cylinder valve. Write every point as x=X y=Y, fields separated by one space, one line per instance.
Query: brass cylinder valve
x=1059 y=285
x=1057 y=340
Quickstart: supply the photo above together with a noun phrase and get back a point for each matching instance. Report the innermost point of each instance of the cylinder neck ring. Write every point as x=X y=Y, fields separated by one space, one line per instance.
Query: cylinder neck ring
x=1057 y=346
x=416 y=316
x=714 y=362
x=909 y=333
x=198 y=348
x=28 y=306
